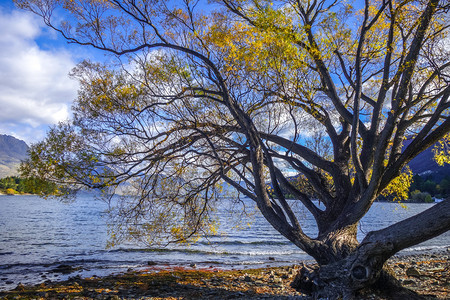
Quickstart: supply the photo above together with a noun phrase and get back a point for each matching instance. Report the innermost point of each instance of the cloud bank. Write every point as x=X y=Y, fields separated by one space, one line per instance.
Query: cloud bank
x=35 y=90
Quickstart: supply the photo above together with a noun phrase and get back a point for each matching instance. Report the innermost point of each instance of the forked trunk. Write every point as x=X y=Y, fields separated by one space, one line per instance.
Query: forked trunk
x=333 y=282
x=353 y=276
x=348 y=269
x=339 y=244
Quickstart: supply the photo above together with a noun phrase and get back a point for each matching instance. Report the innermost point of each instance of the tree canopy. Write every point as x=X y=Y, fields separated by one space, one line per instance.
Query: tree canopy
x=240 y=93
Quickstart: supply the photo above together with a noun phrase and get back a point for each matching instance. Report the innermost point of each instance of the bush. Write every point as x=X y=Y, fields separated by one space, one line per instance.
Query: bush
x=10 y=191
x=418 y=196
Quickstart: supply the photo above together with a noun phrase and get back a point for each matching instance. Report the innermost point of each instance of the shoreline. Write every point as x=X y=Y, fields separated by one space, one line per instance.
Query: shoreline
x=427 y=274
x=18 y=194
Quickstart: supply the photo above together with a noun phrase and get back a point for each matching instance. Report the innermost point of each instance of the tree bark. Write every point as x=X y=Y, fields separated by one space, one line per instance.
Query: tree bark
x=329 y=282
x=364 y=268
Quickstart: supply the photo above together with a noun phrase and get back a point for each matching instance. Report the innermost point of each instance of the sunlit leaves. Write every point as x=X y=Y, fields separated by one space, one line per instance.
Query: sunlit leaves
x=398 y=189
x=442 y=151
x=258 y=50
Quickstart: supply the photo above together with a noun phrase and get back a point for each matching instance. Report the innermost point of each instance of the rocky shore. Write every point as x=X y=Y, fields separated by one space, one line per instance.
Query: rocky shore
x=427 y=274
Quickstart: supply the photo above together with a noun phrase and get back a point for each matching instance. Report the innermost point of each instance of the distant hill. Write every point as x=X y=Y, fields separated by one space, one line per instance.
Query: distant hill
x=12 y=151
x=425 y=166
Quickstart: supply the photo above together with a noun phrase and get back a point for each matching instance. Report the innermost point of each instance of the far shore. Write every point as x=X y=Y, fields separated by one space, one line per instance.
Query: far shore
x=426 y=274
x=20 y=194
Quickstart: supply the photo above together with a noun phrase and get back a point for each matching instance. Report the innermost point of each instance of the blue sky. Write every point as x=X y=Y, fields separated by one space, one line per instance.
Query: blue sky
x=35 y=89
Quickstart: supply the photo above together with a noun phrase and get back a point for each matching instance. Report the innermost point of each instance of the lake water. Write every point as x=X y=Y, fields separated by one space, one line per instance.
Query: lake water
x=37 y=236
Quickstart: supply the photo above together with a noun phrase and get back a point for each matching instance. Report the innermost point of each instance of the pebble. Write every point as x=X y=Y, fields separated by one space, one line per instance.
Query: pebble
x=64 y=269
x=411 y=271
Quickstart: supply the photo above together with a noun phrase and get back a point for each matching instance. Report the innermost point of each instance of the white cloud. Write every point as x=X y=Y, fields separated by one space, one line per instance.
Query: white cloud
x=35 y=90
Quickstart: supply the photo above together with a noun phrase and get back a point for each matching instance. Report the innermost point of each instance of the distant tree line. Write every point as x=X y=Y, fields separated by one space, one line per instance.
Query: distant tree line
x=424 y=188
x=15 y=185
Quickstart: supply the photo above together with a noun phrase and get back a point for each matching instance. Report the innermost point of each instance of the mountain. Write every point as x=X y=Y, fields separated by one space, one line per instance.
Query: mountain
x=12 y=151
x=424 y=165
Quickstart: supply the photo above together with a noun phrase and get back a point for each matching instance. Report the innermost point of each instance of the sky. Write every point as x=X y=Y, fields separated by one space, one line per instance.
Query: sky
x=35 y=89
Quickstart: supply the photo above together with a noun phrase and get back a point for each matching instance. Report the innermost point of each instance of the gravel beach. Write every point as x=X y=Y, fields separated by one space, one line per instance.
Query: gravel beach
x=427 y=274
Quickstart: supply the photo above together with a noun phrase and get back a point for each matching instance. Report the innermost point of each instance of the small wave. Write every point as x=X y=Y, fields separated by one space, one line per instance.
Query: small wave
x=238 y=243
x=170 y=250
x=54 y=264
x=151 y=250
x=271 y=252
x=421 y=249
x=216 y=251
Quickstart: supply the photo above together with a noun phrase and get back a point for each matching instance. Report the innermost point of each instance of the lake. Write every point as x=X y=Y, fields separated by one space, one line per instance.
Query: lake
x=38 y=235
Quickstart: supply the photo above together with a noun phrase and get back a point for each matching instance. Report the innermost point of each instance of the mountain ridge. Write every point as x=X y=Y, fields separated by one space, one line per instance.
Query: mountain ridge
x=12 y=152
x=424 y=164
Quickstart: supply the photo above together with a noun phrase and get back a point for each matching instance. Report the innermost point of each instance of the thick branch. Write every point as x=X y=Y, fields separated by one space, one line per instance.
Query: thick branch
x=414 y=230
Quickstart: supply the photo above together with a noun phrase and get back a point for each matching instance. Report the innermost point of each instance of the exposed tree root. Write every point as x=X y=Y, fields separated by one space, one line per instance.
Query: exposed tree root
x=389 y=286
x=309 y=281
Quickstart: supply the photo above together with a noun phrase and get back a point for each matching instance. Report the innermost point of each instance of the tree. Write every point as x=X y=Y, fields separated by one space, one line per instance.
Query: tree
x=241 y=92
x=418 y=196
x=417 y=183
x=444 y=186
x=429 y=186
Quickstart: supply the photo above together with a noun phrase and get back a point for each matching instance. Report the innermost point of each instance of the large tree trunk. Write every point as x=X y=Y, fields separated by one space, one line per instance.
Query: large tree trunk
x=332 y=282
x=363 y=270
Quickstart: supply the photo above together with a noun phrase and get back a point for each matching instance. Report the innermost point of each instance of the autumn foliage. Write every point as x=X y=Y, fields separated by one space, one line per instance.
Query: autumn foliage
x=199 y=98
